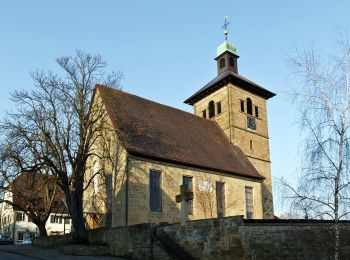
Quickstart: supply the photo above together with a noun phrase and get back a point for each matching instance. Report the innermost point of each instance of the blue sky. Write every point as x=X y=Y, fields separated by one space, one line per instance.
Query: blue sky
x=166 y=48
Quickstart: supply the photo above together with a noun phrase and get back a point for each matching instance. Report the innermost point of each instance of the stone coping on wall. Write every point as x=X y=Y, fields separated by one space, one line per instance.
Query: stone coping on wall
x=238 y=217
x=281 y=222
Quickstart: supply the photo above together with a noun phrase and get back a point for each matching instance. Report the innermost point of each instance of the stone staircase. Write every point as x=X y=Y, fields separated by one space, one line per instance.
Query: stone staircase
x=173 y=249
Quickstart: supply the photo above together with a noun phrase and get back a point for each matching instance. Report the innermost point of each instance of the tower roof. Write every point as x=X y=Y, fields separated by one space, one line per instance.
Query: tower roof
x=225 y=46
x=234 y=78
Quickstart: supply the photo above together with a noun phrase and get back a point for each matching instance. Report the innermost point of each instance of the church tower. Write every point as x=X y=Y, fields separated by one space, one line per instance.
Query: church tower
x=238 y=105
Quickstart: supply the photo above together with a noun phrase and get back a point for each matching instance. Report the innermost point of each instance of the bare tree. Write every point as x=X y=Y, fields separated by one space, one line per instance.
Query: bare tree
x=59 y=127
x=33 y=192
x=205 y=196
x=323 y=100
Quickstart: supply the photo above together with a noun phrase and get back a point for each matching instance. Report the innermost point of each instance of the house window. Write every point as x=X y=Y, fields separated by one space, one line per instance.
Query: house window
x=249 y=106
x=218 y=108
x=20 y=236
x=204 y=113
x=256 y=111
x=211 y=109
x=188 y=181
x=242 y=106
x=67 y=221
x=249 y=202
x=56 y=219
x=222 y=63
x=251 y=144
x=155 y=191
x=20 y=216
x=31 y=235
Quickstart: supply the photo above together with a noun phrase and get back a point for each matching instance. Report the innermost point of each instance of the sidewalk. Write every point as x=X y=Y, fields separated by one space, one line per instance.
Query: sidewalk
x=32 y=252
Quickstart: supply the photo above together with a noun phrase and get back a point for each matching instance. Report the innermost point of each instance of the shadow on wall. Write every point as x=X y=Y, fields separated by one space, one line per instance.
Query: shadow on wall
x=267 y=203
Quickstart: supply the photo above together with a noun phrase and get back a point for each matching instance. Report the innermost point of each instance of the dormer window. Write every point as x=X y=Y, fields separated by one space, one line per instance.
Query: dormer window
x=211 y=109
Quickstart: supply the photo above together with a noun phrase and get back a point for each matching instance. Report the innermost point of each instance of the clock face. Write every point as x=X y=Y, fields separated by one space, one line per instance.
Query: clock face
x=251 y=122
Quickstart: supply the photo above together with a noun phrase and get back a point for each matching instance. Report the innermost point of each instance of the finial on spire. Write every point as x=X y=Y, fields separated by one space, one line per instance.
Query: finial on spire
x=226 y=23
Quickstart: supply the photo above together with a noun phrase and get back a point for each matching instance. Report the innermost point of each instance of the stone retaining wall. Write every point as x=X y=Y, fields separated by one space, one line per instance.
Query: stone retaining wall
x=135 y=242
x=294 y=240
x=232 y=237
x=210 y=238
x=224 y=238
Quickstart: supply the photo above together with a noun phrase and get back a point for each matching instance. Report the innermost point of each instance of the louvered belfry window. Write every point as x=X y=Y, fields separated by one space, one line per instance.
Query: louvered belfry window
x=211 y=109
x=249 y=106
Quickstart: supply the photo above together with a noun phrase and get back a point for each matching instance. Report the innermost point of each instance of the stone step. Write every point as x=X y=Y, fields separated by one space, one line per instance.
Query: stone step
x=86 y=250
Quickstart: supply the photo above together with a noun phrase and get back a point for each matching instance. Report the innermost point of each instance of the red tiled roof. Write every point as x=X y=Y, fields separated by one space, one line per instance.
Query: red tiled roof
x=160 y=132
x=28 y=190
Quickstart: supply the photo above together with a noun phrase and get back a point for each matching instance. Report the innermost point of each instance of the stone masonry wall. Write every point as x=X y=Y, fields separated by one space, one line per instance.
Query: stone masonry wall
x=134 y=242
x=235 y=238
x=226 y=238
x=211 y=238
x=294 y=240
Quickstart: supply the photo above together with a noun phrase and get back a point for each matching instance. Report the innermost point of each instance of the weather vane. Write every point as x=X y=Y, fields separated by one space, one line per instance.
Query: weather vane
x=227 y=22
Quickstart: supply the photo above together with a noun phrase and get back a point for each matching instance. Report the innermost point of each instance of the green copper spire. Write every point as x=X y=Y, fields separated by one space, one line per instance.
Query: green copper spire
x=226 y=46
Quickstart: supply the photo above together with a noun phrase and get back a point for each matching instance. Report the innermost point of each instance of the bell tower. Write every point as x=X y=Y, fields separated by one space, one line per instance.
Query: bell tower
x=238 y=105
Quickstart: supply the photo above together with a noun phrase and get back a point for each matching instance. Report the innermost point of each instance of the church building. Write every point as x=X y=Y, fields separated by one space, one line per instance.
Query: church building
x=148 y=150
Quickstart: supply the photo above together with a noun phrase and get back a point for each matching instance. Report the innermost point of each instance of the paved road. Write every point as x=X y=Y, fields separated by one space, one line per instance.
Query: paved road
x=28 y=252
x=11 y=256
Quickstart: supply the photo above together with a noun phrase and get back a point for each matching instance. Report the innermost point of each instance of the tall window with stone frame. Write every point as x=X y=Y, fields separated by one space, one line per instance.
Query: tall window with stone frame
x=249 y=202
x=155 y=191
x=186 y=180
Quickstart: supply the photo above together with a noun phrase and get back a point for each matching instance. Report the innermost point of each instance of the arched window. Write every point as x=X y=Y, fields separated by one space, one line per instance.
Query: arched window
x=222 y=63
x=249 y=106
x=232 y=62
x=211 y=109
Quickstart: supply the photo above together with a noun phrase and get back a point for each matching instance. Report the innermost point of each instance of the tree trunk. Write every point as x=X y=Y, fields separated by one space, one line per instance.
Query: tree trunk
x=42 y=229
x=76 y=211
